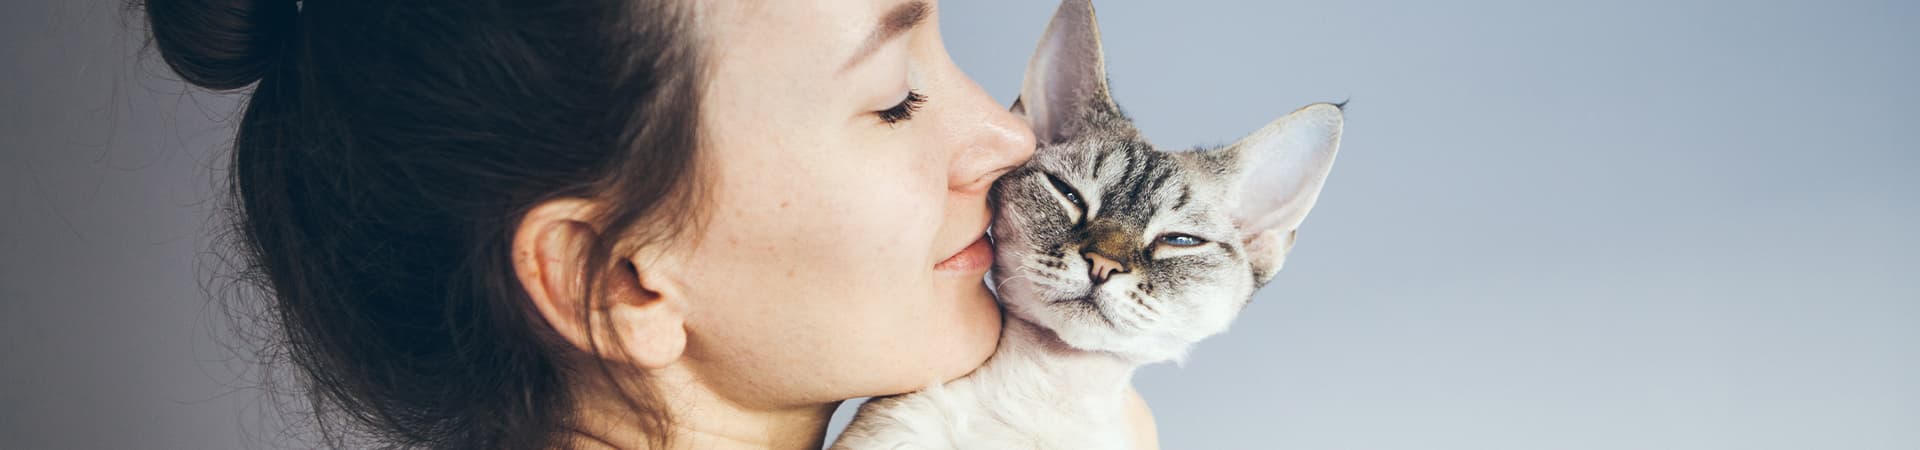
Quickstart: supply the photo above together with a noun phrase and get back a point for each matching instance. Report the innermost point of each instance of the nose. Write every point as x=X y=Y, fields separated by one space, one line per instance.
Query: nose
x=996 y=141
x=1100 y=267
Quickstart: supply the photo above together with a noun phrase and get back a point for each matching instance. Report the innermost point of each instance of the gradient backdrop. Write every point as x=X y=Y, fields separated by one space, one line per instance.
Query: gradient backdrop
x=1553 y=225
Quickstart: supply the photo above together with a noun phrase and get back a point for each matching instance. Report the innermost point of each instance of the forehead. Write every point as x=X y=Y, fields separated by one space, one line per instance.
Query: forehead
x=1112 y=158
x=1132 y=178
x=1091 y=154
x=774 y=75
x=802 y=33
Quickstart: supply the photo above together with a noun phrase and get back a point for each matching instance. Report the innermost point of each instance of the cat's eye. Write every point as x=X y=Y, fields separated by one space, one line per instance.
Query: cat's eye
x=1181 y=240
x=904 y=110
x=1068 y=192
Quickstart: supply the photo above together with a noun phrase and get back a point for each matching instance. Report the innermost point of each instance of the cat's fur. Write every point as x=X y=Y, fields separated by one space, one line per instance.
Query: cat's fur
x=1094 y=289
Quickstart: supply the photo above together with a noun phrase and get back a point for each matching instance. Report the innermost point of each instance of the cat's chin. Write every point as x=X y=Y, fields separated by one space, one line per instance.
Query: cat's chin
x=1080 y=328
x=1136 y=348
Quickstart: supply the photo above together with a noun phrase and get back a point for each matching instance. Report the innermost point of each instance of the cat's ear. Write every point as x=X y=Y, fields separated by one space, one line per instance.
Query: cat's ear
x=1066 y=81
x=1279 y=171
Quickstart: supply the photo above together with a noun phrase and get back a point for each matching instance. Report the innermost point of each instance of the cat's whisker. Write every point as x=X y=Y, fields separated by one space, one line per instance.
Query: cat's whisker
x=1017 y=277
x=1045 y=271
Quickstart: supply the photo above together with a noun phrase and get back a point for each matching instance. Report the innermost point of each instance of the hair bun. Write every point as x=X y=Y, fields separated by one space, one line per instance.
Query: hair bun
x=221 y=44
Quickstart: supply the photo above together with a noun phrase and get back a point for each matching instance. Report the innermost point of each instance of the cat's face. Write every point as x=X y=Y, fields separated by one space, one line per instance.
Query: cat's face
x=1118 y=247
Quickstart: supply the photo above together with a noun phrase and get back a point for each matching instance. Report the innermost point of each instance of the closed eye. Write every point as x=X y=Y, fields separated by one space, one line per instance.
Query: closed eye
x=904 y=110
x=1073 y=197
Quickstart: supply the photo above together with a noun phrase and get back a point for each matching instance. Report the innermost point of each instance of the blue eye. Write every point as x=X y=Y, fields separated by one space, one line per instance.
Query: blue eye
x=1181 y=240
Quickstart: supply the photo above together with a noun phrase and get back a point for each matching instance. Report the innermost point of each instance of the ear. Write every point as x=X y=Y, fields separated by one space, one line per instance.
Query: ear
x=637 y=319
x=1066 y=81
x=1279 y=171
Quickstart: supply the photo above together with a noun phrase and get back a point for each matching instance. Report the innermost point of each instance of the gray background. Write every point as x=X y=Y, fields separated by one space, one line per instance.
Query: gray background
x=1564 y=225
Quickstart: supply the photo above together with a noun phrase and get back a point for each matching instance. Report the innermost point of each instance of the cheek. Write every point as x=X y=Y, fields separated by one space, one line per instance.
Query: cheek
x=819 y=268
x=1207 y=293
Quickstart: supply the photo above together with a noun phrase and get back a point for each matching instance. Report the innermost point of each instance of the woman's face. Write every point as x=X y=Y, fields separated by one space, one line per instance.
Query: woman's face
x=843 y=255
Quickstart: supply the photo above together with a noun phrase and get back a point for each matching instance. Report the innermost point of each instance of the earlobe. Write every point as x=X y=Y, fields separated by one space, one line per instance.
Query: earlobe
x=650 y=317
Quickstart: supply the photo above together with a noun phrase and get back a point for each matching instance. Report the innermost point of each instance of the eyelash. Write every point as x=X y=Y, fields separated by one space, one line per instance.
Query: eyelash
x=903 y=111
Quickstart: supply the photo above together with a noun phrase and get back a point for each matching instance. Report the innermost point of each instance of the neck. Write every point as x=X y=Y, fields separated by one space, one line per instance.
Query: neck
x=699 y=418
x=1034 y=356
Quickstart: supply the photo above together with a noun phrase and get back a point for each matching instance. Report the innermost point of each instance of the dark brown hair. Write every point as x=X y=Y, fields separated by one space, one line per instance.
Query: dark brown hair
x=383 y=161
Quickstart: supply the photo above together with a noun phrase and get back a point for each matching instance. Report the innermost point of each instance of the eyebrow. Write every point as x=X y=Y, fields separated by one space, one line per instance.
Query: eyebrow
x=897 y=22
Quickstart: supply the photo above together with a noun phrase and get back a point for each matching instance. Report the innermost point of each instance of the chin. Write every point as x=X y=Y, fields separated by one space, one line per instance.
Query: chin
x=976 y=334
x=933 y=345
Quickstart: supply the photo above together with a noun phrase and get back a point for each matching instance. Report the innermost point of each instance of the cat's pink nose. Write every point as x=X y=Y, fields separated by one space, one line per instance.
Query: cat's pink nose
x=1101 y=267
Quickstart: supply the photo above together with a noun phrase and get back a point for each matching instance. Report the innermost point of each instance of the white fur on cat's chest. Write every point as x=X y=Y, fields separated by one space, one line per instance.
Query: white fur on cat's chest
x=1025 y=397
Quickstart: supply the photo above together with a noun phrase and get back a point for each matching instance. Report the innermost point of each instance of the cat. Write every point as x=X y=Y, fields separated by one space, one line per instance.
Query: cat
x=1110 y=255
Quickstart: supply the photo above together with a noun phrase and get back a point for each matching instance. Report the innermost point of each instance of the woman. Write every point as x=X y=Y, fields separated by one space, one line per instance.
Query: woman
x=605 y=223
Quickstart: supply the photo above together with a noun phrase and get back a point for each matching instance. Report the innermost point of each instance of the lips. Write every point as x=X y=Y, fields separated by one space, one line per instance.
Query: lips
x=975 y=258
